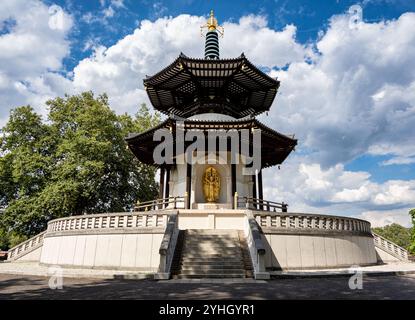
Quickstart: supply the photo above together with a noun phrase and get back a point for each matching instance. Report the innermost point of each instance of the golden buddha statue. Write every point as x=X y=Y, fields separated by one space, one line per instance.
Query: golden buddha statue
x=211 y=184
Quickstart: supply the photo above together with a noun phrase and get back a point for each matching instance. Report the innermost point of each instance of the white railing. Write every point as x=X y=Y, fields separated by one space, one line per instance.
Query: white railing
x=109 y=221
x=259 y=204
x=161 y=204
x=25 y=247
x=306 y=221
x=390 y=247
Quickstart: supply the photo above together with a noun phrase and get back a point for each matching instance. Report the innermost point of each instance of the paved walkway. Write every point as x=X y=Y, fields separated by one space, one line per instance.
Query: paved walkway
x=31 y=281
x=35 y=287
x=34 y=269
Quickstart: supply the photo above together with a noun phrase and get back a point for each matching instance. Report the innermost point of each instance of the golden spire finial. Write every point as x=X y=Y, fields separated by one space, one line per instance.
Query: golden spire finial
x=212 y=24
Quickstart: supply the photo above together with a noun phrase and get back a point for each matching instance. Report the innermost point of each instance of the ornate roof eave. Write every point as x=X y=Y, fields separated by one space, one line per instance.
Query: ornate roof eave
x=277 y=143
x=182 y=58
x=234 y=82
x=218 y=123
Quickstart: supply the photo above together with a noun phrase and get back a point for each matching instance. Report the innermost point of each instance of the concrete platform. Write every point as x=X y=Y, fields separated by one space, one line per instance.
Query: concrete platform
x=391 y=268
x=35 y=269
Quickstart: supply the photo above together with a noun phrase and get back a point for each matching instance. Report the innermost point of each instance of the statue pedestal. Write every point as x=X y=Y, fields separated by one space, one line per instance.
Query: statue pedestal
x=211 y=206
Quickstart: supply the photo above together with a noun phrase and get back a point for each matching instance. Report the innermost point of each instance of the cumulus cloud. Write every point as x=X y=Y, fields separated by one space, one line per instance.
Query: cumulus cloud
x=31 y=53
x=356 y=95
x=387 y=217
x=307 y=187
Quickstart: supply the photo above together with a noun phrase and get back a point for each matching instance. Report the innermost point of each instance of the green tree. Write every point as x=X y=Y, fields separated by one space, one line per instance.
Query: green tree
x=412 y=246
x=395 y=233
x=74 y=163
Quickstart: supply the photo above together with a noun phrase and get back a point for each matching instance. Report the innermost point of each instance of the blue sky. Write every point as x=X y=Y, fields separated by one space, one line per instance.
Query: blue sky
x=310 y=17
x=347 y=89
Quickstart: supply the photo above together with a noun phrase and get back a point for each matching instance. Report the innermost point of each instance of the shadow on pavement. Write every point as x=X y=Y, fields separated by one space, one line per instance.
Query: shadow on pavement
x=31 y=287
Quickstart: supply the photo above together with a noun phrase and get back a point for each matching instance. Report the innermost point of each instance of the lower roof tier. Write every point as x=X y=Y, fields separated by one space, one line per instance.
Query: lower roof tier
x=275 y=147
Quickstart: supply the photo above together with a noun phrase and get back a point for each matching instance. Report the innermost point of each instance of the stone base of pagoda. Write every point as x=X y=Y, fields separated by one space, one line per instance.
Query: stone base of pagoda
x=211 y=206
x=133 y=240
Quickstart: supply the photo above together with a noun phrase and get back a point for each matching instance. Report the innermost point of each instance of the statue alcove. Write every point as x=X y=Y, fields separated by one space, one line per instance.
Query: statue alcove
x=225 y=183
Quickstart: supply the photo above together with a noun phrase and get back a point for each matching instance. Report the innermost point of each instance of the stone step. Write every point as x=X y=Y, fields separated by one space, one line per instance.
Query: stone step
x=215 y=244
x=215 y=276
x=224 y=263
x=211 y=254
x=219 y=241
x=212 y=231
x=211 y=251
x=211 y=271
x=212 y=239
x=211 y=236
x=206 y=256
x=212 y=266
x=196 y=261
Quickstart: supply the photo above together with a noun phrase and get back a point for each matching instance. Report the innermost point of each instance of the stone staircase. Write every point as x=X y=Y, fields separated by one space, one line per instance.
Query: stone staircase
x=211 y=254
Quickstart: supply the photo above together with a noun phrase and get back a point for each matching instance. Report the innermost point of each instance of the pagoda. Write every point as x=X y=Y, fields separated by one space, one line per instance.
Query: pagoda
x=210 y=219
x=205 y=95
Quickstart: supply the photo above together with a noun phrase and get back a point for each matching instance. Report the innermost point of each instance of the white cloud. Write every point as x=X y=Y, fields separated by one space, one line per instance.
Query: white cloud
x=117 y=3
x=108 y=12
x=306 y=186
x=262 y=45
x=383 y=218
x=398 y=160
x=31 y=52
x=358 y=92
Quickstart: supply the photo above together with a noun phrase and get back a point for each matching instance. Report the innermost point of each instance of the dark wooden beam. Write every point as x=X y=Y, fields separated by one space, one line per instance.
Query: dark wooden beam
x=233 y=179
x=188 y=184
x=161 y=186
x=260 y=190
x=167 y=188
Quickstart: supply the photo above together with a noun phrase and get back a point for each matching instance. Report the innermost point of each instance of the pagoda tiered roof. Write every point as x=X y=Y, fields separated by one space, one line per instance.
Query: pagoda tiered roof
x=275 y=147
x=191 y=86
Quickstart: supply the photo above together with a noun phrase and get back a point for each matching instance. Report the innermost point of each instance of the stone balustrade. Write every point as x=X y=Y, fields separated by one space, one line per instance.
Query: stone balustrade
x=109 y=221
x=390 y=247
x=26 y=246
x=167 y=247
x=311 y=222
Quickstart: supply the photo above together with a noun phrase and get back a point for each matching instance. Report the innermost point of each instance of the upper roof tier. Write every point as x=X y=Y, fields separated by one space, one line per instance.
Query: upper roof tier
x=229 y=86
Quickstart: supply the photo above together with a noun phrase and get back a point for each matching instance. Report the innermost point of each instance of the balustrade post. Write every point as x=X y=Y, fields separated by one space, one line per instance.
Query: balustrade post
x=268 y=219
x=235 y=200
x=278 y=222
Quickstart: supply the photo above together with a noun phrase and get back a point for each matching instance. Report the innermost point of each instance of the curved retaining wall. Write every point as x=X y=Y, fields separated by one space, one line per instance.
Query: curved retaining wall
x=132 y=240
x=309 y=241
x=116 y=241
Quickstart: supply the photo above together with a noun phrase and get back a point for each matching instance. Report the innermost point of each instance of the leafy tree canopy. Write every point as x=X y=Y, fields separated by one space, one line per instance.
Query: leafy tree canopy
x=396 y=233
x=412 y=246
x=74 y=163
